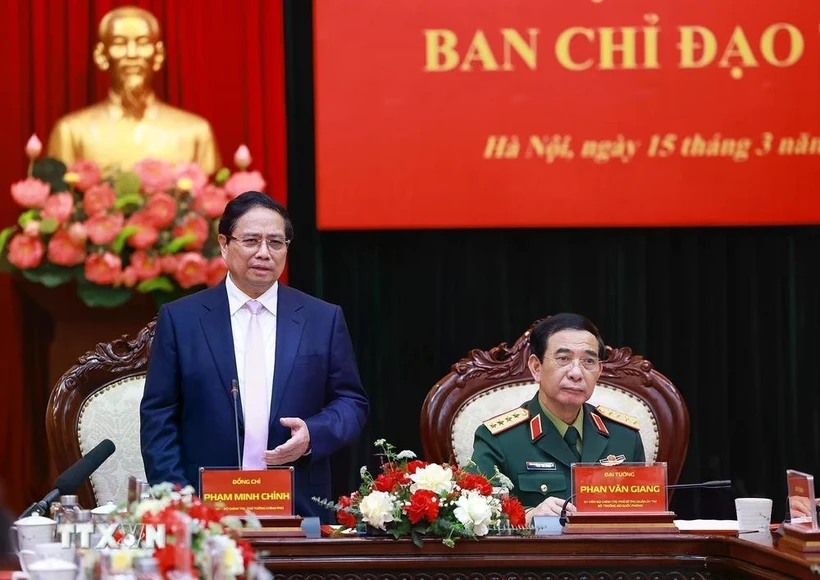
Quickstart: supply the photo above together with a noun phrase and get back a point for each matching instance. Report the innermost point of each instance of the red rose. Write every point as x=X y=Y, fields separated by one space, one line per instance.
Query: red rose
x=153 y=519
x=203 y=512
x=390 y=479
x=476 y=482
x=514 y=510
x=345 y=518
x=412 y=466
x=175 y=520
x=401 y=475
x=424 y=504
x=166 y=558
x=385 y=482
x=248 y=555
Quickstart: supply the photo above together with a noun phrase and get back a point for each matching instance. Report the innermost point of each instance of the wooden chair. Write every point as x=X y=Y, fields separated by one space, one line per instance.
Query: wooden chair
x=99 y=398
x=487 y=383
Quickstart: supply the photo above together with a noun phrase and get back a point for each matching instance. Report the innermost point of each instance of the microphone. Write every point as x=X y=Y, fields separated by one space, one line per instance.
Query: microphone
x=235 y=393
x=715 y=484
x=562 y=519
x=73 y=477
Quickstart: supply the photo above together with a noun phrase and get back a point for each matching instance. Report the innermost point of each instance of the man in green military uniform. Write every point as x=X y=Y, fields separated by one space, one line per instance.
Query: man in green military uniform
x=534 y=445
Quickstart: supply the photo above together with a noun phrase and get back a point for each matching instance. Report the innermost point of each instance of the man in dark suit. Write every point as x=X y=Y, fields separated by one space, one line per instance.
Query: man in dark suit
x=535 y=445
x=290 y=356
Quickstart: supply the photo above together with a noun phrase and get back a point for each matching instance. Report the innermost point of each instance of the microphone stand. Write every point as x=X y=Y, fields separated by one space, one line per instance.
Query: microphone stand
x=235 y=393
x=36 y=508
x=562 y=519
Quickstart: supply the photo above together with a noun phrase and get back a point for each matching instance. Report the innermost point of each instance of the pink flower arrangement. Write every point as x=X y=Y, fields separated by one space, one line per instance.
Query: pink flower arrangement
x=151 y=230
x=30 y=192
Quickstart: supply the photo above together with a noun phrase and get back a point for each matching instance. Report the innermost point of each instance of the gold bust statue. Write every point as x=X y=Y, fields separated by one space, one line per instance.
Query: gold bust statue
x=132 y=123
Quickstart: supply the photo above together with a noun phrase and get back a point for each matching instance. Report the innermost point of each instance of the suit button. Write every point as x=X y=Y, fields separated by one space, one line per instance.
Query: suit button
x=544 y=488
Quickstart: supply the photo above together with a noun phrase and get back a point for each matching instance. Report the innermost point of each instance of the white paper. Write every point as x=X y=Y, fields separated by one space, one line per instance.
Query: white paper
x=707 y=525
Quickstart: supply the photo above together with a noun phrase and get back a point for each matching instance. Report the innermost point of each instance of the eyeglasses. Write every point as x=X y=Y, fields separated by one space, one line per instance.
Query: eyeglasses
x=253 y=243
x=588 y=363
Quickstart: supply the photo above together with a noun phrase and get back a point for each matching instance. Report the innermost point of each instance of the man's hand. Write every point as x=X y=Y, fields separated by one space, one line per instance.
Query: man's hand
x=549 y=507
x=799 y=506
x=293 y=448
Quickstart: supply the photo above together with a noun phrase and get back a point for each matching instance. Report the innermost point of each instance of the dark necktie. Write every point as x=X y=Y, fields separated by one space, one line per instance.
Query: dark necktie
x=571 y=437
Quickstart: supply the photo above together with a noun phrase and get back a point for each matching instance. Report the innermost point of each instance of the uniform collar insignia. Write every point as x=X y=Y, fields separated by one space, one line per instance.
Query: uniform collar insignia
x=535 y=427
x=599 y=424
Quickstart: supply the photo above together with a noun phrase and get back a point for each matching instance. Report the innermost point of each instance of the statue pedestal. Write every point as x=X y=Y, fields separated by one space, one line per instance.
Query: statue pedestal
x=57 y=329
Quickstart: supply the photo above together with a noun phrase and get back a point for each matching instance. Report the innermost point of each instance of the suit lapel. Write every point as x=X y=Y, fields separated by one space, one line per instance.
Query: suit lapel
x=595 y=442
x=216 y=324
x=289 y=327
x=551 y=442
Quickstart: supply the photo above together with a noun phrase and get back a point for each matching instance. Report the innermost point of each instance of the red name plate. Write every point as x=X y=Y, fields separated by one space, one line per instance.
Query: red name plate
x=265 y=492
x=801 y=498
x=623 y=488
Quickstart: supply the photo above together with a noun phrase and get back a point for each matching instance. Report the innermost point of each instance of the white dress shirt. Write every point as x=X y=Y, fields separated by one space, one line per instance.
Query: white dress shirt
x=240 y=319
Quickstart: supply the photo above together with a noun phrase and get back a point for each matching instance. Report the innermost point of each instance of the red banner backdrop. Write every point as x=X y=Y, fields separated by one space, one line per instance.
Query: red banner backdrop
x=225 y=61
x=528 y=113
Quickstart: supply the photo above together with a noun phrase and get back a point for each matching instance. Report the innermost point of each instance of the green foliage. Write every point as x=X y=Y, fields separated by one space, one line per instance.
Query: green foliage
x=26 y=217
x=222 y=176
x=127 y=183
x=4 y=237
x=48 y=226
x=119 y=242
x=50 y=275
x=177 y=244
x=97 y=296
x=326 y=503
x=160 y=283
x=51 y=171
x=127 y=201
x=417 y=537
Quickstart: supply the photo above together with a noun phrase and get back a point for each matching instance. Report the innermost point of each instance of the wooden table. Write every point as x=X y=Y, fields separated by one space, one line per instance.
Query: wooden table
x=566 y=557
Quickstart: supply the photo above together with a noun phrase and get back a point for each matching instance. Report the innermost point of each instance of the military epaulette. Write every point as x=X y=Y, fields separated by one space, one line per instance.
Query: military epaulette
x=618 y=417
x=504 y=421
